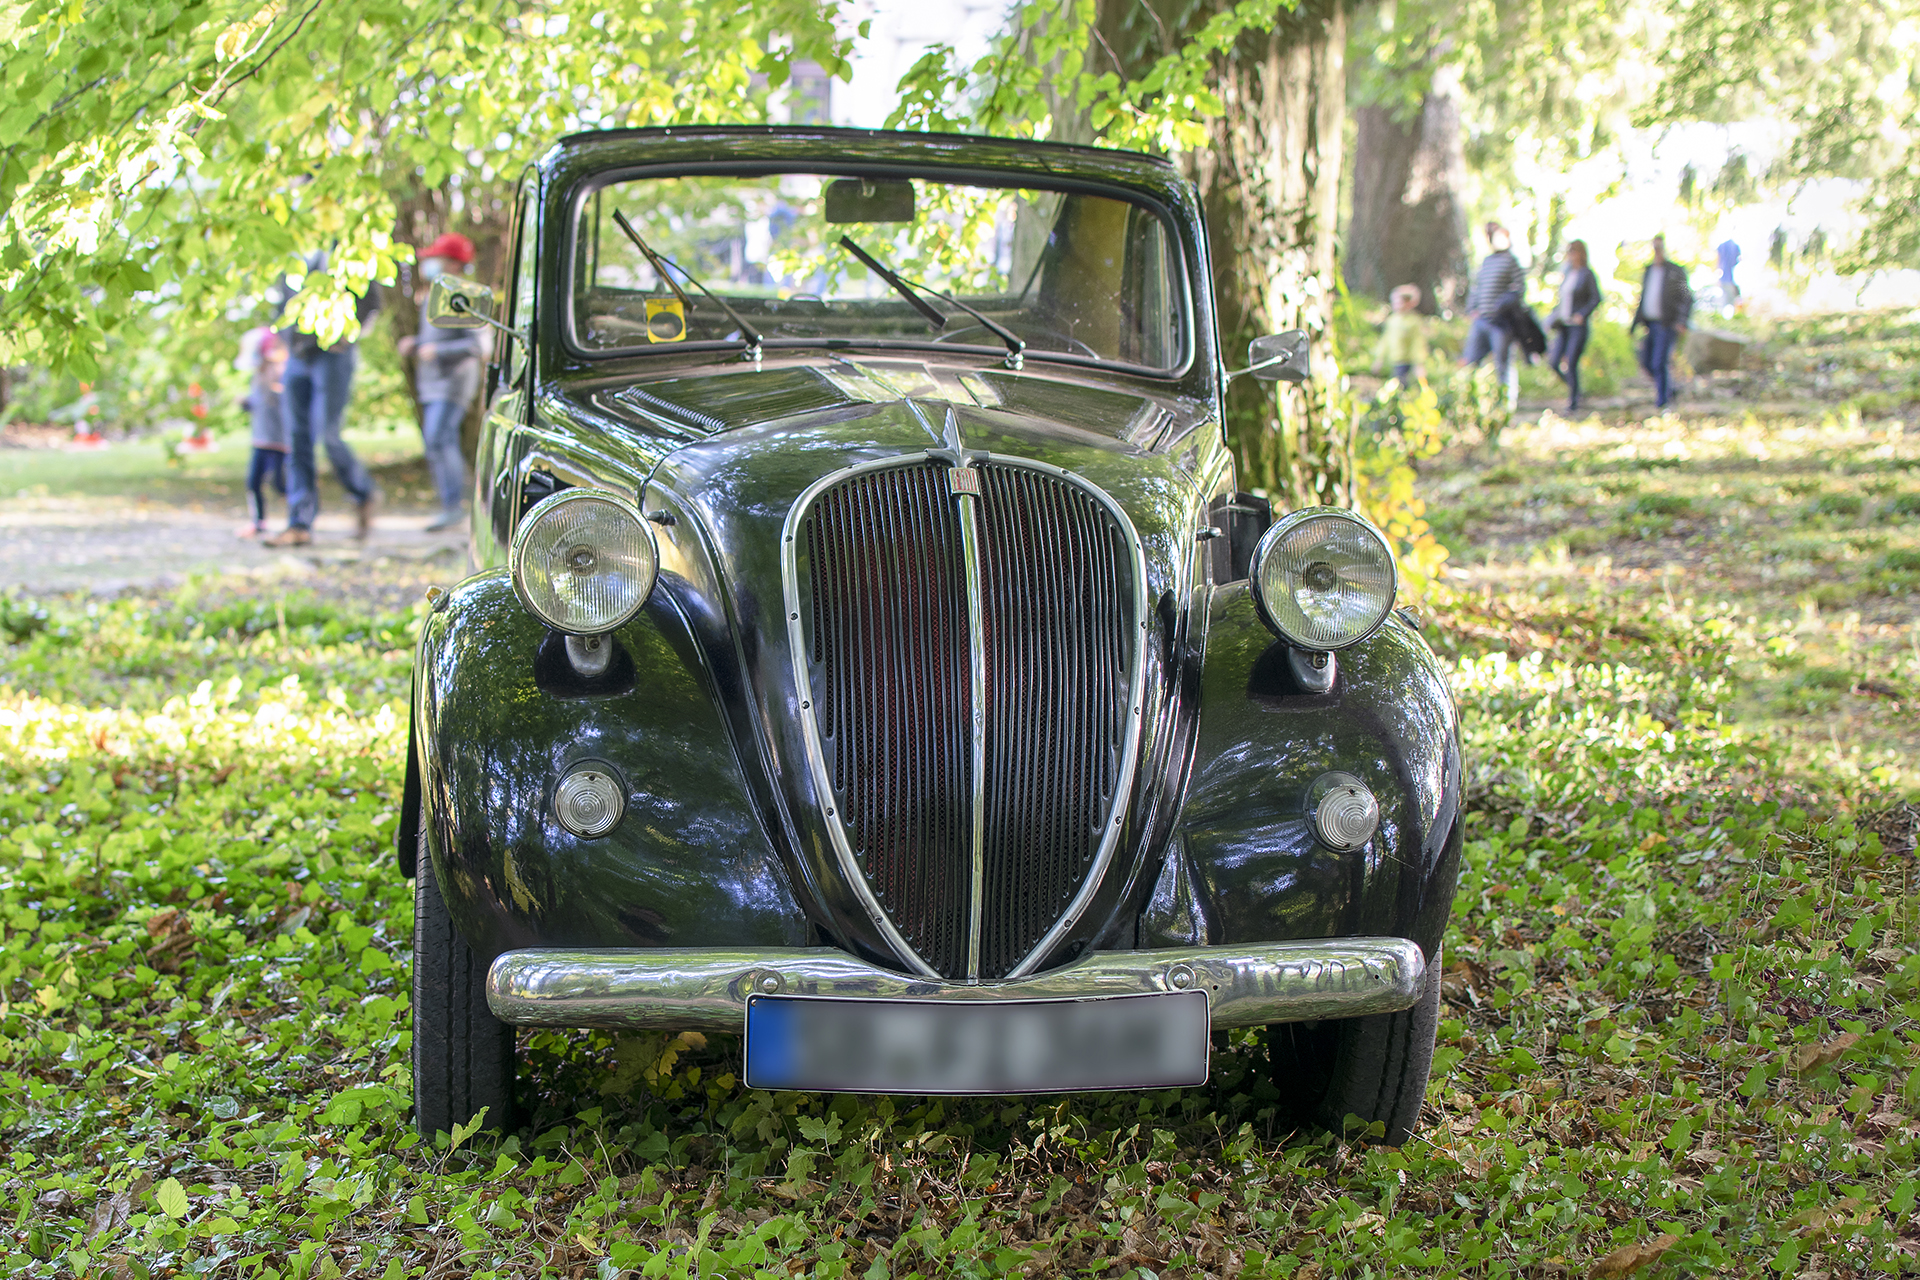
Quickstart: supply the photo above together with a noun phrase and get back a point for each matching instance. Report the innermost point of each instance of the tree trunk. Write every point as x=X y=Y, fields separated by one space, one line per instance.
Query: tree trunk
x=1270 y=183
x=1409 y=223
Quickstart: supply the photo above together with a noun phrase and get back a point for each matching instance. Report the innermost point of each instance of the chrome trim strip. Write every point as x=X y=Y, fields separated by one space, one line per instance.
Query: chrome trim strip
x=701 y=989
x=816 y=751
x=977 y=664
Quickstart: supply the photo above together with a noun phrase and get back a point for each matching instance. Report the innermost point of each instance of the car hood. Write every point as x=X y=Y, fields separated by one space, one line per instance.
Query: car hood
x=738 y=449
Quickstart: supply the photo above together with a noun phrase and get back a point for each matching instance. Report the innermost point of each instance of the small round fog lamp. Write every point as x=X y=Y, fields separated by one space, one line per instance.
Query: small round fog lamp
x=1343 y=812
x=589 y=802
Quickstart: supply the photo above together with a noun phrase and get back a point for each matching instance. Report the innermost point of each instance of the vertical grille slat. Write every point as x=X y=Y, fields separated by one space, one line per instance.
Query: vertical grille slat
x=889 y=650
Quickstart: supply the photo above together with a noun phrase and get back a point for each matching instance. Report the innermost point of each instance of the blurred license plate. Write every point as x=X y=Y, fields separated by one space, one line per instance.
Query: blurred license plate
x=831 y=1045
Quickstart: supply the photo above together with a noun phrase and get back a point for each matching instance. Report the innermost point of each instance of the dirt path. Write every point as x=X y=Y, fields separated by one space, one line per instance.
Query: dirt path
x=130 y=517
x=58 y=545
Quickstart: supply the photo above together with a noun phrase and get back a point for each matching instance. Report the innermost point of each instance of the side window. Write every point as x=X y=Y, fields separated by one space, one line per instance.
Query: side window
x=526 y=255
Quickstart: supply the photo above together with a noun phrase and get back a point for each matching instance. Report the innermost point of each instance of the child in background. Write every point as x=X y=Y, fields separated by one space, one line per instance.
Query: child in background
x=266 y=356
x=1403 y=340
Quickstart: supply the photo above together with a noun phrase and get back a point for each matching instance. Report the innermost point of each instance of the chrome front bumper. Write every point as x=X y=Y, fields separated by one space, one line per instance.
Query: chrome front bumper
x=698 y=989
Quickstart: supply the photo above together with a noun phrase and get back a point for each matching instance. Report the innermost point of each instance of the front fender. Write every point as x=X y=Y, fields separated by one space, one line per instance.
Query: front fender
x=1244 y=865
x=690 y=864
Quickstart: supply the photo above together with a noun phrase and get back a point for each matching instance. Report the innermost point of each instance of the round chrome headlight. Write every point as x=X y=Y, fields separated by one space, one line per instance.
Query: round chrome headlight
x=1324 y=578
x=583 y=561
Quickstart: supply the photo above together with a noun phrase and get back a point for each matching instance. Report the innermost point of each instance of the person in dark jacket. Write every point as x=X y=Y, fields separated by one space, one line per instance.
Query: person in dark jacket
x=445 y=378
x=1666 y=307
x=1500 y=280
x=1572 y=316
x=315 y=387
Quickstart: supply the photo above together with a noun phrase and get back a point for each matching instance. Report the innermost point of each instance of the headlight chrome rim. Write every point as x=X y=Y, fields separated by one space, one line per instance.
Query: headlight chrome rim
x=1282 y=529
x=538 y=521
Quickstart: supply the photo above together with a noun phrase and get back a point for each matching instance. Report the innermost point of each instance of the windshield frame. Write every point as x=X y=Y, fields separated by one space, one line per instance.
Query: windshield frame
x=958 y=175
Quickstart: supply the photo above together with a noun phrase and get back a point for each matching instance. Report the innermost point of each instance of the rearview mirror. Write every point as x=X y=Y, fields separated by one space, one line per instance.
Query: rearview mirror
x=455 y=302
x=869 y=200
x=1279 y=357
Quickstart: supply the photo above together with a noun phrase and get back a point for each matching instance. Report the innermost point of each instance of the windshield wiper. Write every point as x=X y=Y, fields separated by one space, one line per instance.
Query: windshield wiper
x=1015 y=343
x=901 y=287
x=912 y=291
x=660 y=265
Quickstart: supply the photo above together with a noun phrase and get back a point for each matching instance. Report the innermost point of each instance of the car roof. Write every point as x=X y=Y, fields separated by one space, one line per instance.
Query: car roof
x=670 y=144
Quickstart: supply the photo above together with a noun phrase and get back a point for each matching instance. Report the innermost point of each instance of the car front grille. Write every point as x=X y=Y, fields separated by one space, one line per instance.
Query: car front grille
x=891 y=627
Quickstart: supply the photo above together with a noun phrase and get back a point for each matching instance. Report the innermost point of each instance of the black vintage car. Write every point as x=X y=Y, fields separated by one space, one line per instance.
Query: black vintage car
x=871 y=656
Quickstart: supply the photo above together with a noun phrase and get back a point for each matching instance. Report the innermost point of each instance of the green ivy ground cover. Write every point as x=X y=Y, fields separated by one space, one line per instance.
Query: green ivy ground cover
x=1682 y=1024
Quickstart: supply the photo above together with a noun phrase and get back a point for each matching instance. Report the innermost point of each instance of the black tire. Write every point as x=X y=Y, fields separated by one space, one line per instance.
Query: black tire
x=463 y=1056
x=1374 y=1068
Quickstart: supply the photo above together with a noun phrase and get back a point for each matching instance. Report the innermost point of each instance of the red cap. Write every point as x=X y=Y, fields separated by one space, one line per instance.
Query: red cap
x=451 y=245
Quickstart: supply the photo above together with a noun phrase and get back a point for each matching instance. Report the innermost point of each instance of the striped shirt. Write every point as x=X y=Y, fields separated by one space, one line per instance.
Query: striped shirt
x=1500 y=274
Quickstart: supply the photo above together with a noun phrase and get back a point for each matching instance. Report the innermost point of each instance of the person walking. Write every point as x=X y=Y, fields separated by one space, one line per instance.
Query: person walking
x=315 y=388
x=1729 y=256
x=1403 y=339
x=1572 y=315
x=1666 y=307
x=1499 y=281
x=265 y=357
x=446 y=376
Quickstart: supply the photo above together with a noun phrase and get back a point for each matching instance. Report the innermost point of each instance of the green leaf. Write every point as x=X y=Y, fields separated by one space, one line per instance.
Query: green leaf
x=823 y=1131
x=172 y=1198
x=461 y=1132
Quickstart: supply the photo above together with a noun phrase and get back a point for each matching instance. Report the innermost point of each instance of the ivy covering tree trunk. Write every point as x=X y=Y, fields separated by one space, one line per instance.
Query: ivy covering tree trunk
x=1268 y=170
x=1270 y=181
x=1409 y=220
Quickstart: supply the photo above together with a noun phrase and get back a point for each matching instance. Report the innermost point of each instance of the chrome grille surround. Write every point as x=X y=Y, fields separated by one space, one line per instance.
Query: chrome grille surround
x=941 y=764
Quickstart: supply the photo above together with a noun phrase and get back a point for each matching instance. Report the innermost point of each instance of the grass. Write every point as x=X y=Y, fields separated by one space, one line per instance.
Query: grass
x=1681 y=1003
x=1791 y=535
x=1682 y=979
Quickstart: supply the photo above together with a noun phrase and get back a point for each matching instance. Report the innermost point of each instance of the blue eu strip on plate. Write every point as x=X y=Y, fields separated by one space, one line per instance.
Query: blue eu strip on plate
x=832 y=1045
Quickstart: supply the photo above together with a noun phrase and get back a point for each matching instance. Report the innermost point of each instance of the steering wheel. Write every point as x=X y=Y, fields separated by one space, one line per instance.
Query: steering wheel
x=1044 y=333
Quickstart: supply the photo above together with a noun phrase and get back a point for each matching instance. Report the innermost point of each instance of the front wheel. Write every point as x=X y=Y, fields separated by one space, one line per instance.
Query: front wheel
x=463 y=1056
x=1374 y=1068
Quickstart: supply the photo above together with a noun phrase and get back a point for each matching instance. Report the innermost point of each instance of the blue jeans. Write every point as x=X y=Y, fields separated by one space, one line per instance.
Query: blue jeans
x=267 y=466
x=440 y=426
x=1656 y=349
x=1564 y=359
x=1487 y=338
x=314 y=396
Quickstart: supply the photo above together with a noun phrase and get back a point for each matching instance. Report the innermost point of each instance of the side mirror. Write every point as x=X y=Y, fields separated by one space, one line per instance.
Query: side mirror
x=455 y=302
x=1279 y=357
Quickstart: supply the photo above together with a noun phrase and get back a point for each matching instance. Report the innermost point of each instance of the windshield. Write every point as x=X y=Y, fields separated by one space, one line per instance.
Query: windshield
x=792 y=255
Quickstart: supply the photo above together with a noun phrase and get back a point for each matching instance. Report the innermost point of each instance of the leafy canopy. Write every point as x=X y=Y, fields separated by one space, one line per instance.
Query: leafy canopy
x=184 y=153
x=1552 y=82
x=1040 y=79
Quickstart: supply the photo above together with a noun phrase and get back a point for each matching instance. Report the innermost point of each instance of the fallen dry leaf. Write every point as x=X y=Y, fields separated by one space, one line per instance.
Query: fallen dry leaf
x=110 y=1213
x=1811 y=1057
x=1629 y=1258
x=1818 y=1221
x=173 y=937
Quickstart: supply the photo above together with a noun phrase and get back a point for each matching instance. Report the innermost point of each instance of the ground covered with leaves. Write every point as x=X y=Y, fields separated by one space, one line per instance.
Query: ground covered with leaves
x=1682 y=985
